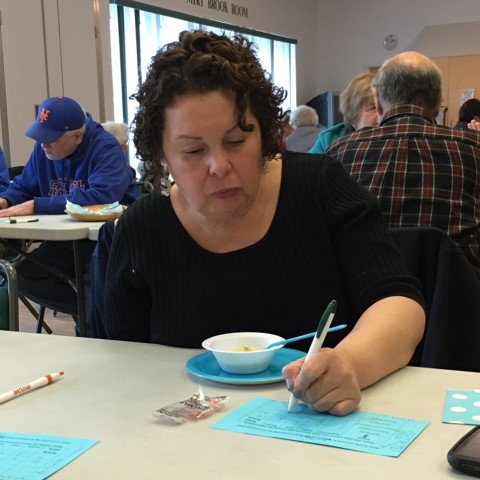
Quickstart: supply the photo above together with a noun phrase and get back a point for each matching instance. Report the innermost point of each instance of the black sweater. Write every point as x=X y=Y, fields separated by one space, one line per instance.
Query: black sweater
x=327 y=240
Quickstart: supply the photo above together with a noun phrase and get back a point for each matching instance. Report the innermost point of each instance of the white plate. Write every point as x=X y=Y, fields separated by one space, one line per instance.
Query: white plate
x=204 y=365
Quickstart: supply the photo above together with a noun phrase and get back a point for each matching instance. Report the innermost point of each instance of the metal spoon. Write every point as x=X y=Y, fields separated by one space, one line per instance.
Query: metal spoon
x=303 y=337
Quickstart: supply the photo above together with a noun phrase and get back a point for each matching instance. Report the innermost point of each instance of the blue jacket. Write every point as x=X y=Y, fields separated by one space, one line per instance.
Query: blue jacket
x=96 y=173
x=4 y=175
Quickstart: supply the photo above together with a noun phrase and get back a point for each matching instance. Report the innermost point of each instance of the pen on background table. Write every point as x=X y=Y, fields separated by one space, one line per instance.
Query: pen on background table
x=317 y=341
x=40 y=382
x=22 y=220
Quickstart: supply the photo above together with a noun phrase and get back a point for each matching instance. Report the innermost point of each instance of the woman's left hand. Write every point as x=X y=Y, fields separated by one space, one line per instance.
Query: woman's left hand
x=327 y=382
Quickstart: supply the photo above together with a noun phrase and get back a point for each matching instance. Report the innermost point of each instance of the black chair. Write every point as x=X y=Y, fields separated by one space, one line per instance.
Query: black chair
x=42 y=308
x=70 y=308
x=98 y=270
x=451 y=287
x=8 y=297
x=15 y=171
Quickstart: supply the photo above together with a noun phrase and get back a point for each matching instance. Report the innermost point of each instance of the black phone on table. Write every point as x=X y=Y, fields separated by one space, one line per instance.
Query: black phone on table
x=465 y=454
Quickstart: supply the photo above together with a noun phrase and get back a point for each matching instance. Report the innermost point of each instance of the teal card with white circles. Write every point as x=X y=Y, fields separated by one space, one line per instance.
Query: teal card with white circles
x=462 y=406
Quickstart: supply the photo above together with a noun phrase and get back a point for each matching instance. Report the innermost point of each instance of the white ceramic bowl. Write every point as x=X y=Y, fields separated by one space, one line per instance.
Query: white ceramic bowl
x=232 y=351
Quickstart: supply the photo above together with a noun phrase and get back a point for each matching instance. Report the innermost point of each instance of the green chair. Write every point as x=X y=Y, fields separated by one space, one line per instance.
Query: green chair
x=8 y=297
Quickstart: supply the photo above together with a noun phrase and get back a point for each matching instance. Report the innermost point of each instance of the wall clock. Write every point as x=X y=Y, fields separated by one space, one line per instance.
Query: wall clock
x=390 y=42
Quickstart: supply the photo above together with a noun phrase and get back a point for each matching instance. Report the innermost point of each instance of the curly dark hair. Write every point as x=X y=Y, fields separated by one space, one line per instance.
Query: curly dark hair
x=202 y=62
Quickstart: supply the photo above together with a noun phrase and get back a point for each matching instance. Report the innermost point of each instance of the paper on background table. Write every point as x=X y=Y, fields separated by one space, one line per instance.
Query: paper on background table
x=462 y=406
x=25 y=456
x=360 y=431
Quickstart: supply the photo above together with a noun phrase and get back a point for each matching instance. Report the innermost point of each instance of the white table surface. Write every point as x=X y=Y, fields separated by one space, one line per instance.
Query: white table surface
x=110 y=390
x=60 y=227
x=93 y=230
x=49 y=227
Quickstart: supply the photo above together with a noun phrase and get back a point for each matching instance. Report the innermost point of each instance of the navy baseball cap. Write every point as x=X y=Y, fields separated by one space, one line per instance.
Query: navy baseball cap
x=56 y=116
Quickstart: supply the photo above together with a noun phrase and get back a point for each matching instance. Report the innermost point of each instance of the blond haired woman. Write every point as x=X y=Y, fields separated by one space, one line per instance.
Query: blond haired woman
x=357 y=108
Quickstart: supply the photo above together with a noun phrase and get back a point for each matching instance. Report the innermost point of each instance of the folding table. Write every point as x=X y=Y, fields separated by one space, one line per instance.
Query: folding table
x=111 y=388
x=57 y=228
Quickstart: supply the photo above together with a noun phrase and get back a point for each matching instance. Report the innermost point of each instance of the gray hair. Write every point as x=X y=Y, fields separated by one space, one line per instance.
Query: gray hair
x=409 y=78
x=304 y=116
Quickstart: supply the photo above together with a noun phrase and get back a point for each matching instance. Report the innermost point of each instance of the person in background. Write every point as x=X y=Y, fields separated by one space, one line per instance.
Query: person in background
x=285 y=129
x=304 y=122
x=4 y=175
x=73 y=159
x=245 y=239
x=470 y=110
x=120 y=131
x=423 y=174
x=4 y=183
x=357 y=108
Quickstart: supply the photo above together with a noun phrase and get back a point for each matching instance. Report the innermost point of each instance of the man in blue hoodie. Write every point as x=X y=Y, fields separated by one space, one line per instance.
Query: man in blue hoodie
x=74 y=159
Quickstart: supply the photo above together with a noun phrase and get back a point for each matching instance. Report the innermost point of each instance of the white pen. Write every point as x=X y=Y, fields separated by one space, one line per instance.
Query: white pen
x=22 y=220
x=317 y=341
x=45 y=380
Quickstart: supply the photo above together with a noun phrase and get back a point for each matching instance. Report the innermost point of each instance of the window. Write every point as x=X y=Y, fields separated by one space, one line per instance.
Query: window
x=139 y=30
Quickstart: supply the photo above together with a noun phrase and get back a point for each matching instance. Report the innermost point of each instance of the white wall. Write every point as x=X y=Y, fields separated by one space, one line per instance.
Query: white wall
x=24 y=63
x=350 y=33
x=336 y=41
x=49 y=49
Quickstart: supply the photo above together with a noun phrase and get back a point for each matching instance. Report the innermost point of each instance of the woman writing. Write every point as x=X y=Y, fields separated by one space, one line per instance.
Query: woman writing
x=246 y=240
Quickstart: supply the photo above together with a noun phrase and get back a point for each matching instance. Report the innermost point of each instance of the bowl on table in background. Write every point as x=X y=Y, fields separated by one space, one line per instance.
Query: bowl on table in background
x=94 y=213
x=243 y=352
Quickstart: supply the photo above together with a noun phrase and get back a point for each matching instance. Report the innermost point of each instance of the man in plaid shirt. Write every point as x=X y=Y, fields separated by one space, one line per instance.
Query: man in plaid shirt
x=423 y=174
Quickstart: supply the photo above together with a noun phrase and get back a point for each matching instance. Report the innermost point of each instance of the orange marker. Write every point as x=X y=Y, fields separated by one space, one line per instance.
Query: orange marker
x=45 y=380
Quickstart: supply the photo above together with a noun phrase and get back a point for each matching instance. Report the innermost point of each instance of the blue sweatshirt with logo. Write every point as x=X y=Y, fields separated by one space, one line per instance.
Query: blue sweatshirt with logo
x=96 y=173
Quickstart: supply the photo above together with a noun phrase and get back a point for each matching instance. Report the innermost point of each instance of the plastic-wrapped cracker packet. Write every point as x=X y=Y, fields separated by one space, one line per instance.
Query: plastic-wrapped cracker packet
x=196 y=407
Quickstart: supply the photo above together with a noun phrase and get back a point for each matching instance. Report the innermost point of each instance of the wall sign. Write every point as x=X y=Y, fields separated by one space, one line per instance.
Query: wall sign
x=221 y=6
x=466 y=94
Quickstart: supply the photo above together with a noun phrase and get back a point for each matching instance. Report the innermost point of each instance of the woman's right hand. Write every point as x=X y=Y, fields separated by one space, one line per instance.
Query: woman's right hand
x=327 y=382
